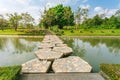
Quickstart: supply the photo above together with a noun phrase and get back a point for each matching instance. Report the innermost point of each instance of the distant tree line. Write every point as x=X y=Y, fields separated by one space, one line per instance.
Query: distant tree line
x=103 y=22
x=63 y=16
x=15 y=20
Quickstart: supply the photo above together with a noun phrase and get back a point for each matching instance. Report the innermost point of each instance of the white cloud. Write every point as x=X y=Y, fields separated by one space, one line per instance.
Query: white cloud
x=85 y=6
x=107 y=12
x=31 y=6
x=98 y=9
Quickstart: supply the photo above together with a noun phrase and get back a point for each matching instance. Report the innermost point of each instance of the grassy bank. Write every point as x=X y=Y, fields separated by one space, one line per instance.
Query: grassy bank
x=22 y=32
x=71 y=32
x=112 y=70
x=90 y=32
x=9 y=73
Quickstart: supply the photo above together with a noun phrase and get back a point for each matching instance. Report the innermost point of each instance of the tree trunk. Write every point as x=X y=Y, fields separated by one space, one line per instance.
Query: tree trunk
x=15 y=27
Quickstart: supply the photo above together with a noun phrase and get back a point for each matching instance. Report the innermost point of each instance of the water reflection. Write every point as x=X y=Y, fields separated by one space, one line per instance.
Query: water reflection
x=112 y=44
x=15 y=51
x=96 y=50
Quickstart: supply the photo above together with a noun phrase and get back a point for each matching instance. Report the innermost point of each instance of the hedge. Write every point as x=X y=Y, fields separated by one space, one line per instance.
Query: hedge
x=9 y=73
x=112 y=70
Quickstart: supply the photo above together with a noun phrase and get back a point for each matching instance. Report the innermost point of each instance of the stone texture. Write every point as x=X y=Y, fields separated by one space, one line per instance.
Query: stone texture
x=36 y=66
x=71 y=64
x=46 y=45
x=65 y=50
x=60 y=45
x=48 y=55
x=52 y=39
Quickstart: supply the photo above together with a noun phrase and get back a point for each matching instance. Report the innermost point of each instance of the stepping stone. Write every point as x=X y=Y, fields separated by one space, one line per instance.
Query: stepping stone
x=46 y=45
x=65 y=50
x=58 y=42
x=36 y=66
x=71 y=64
x=60 y=45
x=48 y=55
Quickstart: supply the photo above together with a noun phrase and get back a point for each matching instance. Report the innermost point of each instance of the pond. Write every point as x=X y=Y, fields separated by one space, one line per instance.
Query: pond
x=96 y=50
x=15 y=51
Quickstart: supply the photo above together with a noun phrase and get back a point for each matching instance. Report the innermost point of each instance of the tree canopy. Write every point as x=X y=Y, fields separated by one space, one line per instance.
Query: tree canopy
x=97 y=21
x=58 y=15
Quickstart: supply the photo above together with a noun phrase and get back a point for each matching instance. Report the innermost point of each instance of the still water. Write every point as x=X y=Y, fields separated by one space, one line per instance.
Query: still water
x=15 y=51
x=96 y=50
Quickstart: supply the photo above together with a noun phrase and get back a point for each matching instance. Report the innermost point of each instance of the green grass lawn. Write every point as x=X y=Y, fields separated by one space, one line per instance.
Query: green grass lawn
x=21 y=32
x=11 y=32
x=79 y=32
x=111 y=32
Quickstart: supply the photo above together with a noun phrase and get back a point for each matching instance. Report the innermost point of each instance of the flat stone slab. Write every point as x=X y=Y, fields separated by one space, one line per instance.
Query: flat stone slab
x=46 y=45
x=71 y=64
x=36 y=66
x=65 y=50
x=60 y=45
x=48 y=55
x=51 y=39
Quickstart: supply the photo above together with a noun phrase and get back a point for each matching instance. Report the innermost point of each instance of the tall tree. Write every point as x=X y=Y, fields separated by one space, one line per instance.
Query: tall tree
x=3 y=22
x=59 y=15
x=27 y=19
x=97 y=21
x=117 y=13
x=81 y=14
x=14 y=20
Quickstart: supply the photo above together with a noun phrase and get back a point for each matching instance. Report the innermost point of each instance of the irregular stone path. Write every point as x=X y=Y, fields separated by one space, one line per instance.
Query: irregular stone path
x=53 y=49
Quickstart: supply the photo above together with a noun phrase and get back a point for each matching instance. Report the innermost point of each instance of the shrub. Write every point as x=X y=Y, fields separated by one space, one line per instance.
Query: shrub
x=35 y=32
x=81 y=31
x=102 y=31
x=113 y=31
x=112 y=70
x=9 y=73
x=62 y=32
x=91 y=31
x=72 y=31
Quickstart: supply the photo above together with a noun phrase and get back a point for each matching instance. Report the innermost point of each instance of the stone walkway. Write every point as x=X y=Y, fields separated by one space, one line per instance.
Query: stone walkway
x=63 y=76
x=52 y=56
x=53 y=49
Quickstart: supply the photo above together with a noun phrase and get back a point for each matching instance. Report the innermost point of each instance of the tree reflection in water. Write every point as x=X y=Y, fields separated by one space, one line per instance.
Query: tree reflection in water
x=96 y=50
x=16 y=45
x=112 y=44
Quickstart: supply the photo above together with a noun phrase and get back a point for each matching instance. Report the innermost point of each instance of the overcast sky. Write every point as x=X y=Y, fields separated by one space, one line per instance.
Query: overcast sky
x=35 y=6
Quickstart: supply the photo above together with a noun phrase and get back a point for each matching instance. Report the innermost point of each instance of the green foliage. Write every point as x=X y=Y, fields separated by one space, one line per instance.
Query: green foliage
x=97 y=22
x=27 y=20
x=59 y=15
x=34 y=32
x=112 y=70
x=9 y=73
x=81 y=14
x=3 y=22
x=72 y=31
x=92 y=32
x=14 y=20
